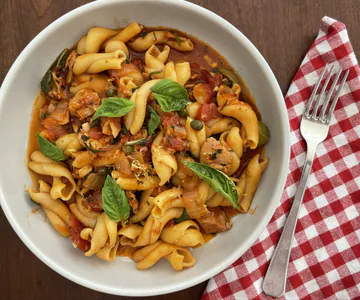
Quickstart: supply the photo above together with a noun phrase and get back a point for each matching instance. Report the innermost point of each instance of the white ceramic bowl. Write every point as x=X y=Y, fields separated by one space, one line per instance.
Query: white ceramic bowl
x=20 y=88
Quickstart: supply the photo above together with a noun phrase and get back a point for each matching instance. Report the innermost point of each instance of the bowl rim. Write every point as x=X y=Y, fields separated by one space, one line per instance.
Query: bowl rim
x=265 y=68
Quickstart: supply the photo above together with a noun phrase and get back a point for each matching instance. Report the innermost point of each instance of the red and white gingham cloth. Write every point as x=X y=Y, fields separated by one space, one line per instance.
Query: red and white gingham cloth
x=325 y=259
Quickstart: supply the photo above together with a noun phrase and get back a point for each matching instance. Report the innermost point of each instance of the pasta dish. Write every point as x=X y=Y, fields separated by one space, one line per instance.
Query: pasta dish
x=144 y=143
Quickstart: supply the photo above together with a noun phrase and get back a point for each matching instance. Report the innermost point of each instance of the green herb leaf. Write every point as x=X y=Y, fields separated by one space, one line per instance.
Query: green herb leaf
x=143 y=34
x=113 y=107
x=219 y=181
x=87 y=146
x=115 y=202
x=155 y=36
x=229 y=74
x=170 y=95
x=123 y=130
x=141 y=141
x=49 y=149
x=47 y=81
x=154 y=121
x=184 y=217
x=153 y=73
x=177 y=38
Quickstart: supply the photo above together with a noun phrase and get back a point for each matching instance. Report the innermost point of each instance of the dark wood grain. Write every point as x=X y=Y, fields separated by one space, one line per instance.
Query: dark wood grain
x=282 y=30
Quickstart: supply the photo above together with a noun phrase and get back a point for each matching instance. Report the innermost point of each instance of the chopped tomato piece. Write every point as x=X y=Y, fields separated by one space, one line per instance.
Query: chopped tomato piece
x=95 y=201
x=138 y=62
x=75 y=230
x=170 y=223
x=168 y=119
x=174 y=143
x=207 y=112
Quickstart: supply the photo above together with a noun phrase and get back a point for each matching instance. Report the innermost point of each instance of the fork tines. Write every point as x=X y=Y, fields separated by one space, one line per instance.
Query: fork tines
x=323 y=117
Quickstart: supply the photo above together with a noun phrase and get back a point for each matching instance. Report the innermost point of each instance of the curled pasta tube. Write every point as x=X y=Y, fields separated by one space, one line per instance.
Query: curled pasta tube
x=192 y=109
x=56 y=206
x=178 y=257
x=141 y=44
x=40 y=164
x=98 y=62
x=209 y=196
x=128 y=33
x=167 y=199
x=69 y=143
x=115 y=45
x=96 y=82
x=155 y=60
x=128 y=235
x=58 y=223
x=82 y=212
x=179 y=72
x=96 y=37
x=81 y=45
x=182 y=44
x=164 y=162
x=249 y=181
x=135 y=118
x=232 y=141
x=134 y=184
x=232 y=107
x=184 y=234
x=108 y=252
x=217 y=126
x=146 y=205
x=195 y=138
x=105 y=229
x=154 y=225
x=126 y=86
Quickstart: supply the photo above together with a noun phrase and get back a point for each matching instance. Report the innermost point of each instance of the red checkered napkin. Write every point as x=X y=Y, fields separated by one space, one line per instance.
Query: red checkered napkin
x=325 y=259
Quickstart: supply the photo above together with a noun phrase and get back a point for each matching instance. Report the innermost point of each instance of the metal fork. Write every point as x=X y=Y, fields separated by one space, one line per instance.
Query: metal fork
x=314 y=128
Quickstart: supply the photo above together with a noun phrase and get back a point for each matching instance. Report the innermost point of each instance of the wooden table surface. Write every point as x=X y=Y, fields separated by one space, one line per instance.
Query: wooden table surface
x=282 y=30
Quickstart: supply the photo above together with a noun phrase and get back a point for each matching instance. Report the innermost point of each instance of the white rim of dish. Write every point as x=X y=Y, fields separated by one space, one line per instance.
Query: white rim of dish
x=265 y=68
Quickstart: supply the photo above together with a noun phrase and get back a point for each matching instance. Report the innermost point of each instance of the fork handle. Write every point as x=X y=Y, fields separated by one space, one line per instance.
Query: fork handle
x=275 y=279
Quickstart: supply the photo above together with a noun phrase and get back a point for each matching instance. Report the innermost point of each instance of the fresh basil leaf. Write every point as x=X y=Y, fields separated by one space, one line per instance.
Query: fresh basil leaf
x=154 y=121
x=177 y=38
x=115 y=202
x=61 y=60
x=184 y=217
x=219 y=181
x=153 y=73
x=141 y=141
x=47 y=81
x=49 y=149
x=113 y=107
x=170 y=95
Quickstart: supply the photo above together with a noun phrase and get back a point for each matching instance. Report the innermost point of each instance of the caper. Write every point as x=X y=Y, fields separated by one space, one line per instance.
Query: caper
x=128 y=149
x=102 y=171
x=183 y=113
x=110 y=92
x=263 y=134
x=196 y=125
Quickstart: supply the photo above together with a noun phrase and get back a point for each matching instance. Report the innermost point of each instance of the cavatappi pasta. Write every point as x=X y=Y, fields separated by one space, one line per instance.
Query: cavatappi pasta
x=144 y=143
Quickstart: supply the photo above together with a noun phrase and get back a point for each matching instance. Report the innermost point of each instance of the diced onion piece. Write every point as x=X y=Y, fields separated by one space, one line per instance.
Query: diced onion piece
x=194 y=207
